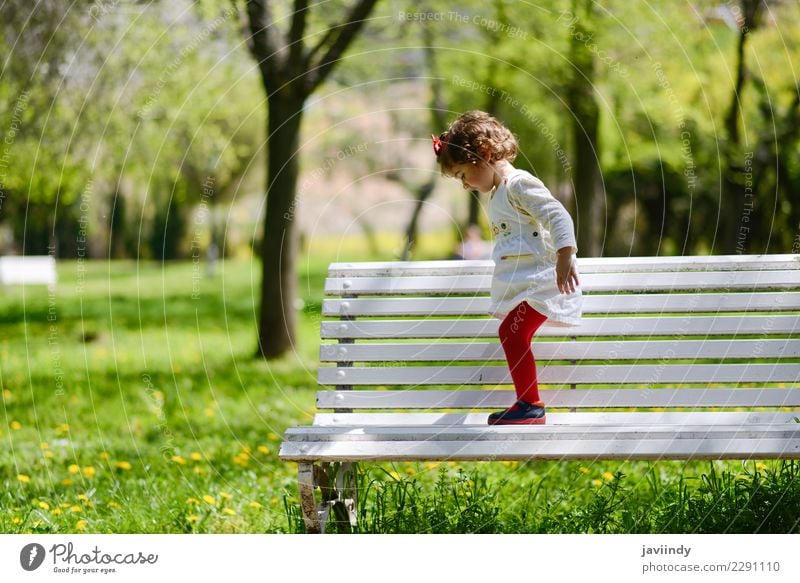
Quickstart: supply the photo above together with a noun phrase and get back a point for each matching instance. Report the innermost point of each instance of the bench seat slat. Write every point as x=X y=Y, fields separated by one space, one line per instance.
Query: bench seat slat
x=564 y=350
x=601 y=418
x=565 y=398
x=592 y=304
x=597 y=282
x=473 y=433
x=623 y=326
x=561 y=374
x=585 y=265
x=649 y=449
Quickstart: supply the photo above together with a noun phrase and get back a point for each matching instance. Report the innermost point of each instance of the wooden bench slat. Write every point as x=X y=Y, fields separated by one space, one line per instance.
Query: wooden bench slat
x=557 y=418
x=622 y=326
x=592 y=304
x=564 y=398
x=651 y=449
x=561 y=374
x=473 y=433
x=597 y=282
x=585 y=265
x=564 y=350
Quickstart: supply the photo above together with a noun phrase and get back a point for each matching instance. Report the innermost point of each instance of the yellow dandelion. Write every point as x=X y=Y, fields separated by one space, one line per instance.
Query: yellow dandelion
x=597 y=483
x=192 y=518
x=273 y=501
x=410 y=471
x=81 y=525
x=209 y=499
x=208 y=412
x=179 y=460
x=63 y=428
x=66 y=504
x=66 y=482
x=23 y=478
x=263 y=449
x=43 y=505
x=104 y=455
x=74 y=468
x=83 y=497
x=761 y=466
x=272 y=437
x=608 y=476
x=75 y=509
x=196 y=456
x=229 y=511
x=16 y=520
x=48 y=454
x=55 y=511
x=431 y=465
x=584 y=470
x=16 y=425
x=198 y=470
x=44 y=445
x=124 y=465
x=7 y=394
x=89 y=472
x=114 y=504
x=192 y=501
x=225 y=495
x=255 y=505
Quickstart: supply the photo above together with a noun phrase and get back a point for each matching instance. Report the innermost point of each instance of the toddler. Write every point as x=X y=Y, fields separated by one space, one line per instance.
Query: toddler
x=535 y=275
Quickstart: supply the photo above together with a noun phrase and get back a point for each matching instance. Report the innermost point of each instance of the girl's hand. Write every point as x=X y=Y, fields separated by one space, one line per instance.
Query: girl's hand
x=566 y=273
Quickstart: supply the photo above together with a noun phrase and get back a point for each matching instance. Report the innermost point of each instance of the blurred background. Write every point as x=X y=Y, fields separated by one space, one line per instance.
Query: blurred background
x=670 y=119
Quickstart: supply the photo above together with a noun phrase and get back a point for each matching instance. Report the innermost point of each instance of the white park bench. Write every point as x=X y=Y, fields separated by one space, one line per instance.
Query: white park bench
x=677 y=358
x=27 y=270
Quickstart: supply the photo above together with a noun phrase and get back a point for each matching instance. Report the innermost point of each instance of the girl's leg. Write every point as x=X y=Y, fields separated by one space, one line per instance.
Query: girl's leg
x=516 y=332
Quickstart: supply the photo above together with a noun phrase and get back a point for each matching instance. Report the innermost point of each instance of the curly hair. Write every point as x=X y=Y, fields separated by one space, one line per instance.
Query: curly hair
x=475 y=136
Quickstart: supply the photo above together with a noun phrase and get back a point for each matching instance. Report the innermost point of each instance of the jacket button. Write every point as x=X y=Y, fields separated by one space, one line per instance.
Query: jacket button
x=535 y=233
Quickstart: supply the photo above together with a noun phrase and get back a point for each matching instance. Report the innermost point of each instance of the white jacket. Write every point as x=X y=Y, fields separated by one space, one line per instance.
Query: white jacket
x=529 y=225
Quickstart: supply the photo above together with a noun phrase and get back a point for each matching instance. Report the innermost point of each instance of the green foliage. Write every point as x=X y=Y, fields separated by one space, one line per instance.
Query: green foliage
x=562 y=498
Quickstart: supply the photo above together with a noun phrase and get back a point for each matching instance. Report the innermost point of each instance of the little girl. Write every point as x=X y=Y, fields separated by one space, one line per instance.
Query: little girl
x=535 y=275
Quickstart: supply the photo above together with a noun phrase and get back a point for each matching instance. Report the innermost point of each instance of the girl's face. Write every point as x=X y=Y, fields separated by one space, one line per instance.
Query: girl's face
x=480 y=176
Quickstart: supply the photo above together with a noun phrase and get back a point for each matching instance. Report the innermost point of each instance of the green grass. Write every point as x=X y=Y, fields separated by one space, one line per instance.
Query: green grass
x=130 y=407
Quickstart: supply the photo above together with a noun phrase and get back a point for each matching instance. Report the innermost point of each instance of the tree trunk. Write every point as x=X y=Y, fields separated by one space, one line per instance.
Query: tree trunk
x=278 y=322
x=738 y=201
x=588 y=189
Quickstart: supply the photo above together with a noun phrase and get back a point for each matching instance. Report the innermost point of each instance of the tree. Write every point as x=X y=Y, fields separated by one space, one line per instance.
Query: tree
x=733 y=187
x=290 y=72
x=585 y=123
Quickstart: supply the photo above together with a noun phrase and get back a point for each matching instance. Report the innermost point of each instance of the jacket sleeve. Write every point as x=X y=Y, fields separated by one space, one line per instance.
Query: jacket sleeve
x=530 y=197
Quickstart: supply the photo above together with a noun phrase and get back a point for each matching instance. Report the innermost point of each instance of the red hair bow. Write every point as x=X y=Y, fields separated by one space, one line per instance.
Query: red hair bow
x=437 y=144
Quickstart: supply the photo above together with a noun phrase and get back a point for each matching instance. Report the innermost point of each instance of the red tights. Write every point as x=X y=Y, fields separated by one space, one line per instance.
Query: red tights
x=516 y=332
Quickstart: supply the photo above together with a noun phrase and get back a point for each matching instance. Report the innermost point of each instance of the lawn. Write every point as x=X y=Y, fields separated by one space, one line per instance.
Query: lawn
x=131 y=403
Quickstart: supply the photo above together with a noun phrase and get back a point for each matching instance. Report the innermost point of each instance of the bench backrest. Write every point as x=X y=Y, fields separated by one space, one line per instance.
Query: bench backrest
x=658 y=334
x=28 y=270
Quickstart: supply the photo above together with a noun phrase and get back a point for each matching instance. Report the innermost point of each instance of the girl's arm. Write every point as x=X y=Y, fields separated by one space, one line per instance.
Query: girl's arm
x=530 y=197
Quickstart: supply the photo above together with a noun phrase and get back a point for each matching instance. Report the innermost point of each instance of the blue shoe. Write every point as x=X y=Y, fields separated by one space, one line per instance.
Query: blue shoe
x=520 y=413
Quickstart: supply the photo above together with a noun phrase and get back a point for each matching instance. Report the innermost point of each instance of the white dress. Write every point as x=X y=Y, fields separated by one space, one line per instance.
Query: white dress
x=529 y=225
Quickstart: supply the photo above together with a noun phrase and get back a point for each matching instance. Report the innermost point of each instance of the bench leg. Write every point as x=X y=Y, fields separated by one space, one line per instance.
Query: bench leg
x=338 y=492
